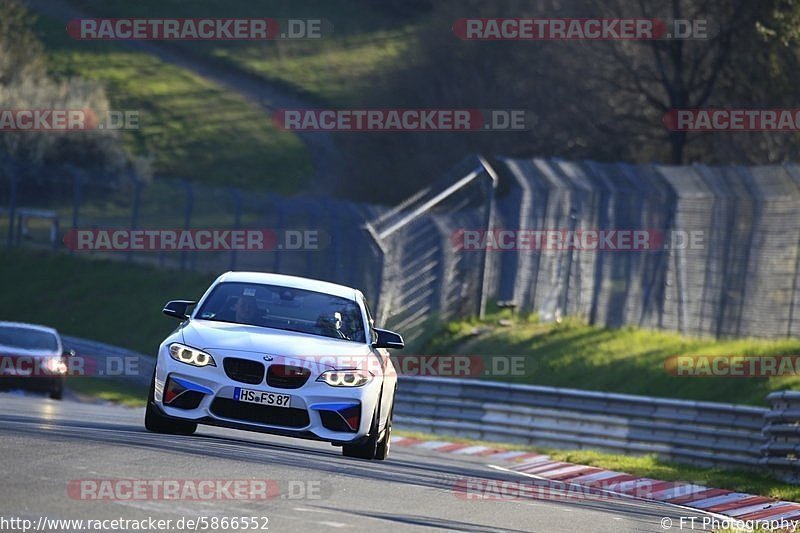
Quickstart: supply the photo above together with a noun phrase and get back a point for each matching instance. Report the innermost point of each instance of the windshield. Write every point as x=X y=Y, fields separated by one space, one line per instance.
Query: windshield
x=285 y=308
x=27 y=339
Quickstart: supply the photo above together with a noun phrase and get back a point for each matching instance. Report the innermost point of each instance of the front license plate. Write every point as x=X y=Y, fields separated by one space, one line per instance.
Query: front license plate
x=261 y=397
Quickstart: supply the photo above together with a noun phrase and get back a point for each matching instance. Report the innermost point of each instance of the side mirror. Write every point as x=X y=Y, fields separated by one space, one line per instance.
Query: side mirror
x=388 y=339
x=178 y=309
x=68 y=353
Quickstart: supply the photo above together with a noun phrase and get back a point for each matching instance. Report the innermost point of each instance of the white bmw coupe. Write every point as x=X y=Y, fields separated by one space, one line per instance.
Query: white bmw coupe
x=277 y=354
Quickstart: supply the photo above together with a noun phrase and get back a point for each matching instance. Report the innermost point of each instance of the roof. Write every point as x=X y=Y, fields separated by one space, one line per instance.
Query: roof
x=28 y=326
x=294 y=282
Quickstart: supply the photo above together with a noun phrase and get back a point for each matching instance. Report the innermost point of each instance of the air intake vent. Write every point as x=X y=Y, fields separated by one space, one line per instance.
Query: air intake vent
x=244 y=370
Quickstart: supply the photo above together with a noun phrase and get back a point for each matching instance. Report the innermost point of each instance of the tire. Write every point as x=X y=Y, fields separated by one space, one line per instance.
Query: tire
x=156 y=422
x=376 y=446
x=382 y=451
x=57 y=389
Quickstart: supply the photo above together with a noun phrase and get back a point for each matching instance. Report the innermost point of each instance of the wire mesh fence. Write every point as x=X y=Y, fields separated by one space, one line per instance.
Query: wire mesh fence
x=724 y=260
x=727 y=264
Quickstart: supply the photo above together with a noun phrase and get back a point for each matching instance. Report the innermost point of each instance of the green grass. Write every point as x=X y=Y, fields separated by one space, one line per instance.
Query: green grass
x=339 y=72
x=649 y=466
x=194 y=129
x=107 y=301
x=628 y=360
x=335 y=69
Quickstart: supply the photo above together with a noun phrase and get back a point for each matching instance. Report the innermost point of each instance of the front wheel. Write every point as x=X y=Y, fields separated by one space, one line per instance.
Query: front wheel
x=158 y=423
x=376 y=446
x=386 y=442
x=57 y=389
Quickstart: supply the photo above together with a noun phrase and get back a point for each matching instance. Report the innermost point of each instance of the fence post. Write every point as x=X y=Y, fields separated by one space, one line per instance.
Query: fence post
x=568 y=259
x=187 y=216
x=486 y=265
x=237 y=219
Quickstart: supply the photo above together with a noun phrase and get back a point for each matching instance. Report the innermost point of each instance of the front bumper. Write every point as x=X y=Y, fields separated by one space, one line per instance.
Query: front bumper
x=313 y=412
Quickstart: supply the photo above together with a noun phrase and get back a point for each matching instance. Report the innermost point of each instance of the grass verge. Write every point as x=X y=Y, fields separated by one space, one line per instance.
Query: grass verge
x=192 y=128
x=365 y=39
x=626 y=360
x=649 y=466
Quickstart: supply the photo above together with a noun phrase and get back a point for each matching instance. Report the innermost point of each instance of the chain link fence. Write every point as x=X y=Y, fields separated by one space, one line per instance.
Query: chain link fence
x=741 y=277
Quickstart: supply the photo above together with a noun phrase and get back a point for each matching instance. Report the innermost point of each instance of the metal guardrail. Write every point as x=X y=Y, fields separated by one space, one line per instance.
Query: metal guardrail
x=781 y=452
x=84 y=347
x=703 y=433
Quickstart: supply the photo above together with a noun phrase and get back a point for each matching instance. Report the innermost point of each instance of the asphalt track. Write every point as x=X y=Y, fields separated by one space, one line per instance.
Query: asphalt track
x=47 y=444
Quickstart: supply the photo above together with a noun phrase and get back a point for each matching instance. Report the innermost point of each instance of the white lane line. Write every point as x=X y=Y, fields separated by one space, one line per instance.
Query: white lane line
x=564 y=470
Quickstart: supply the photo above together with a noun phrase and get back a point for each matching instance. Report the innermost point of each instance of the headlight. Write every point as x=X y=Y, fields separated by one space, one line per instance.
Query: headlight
x=345 y=378
x=190 y=356
x=56 y=365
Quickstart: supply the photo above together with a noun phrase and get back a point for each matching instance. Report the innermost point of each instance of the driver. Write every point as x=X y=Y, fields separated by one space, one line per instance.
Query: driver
x=332 y=326
x=246 y=309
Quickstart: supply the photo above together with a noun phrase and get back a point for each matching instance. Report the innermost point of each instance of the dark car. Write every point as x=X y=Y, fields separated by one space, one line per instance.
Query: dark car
x=32 y=357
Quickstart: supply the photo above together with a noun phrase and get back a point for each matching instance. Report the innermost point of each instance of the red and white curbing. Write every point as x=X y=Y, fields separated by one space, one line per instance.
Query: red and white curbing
x=736 y=505
x=468 y=449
